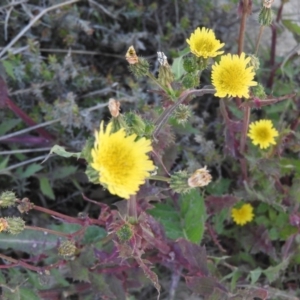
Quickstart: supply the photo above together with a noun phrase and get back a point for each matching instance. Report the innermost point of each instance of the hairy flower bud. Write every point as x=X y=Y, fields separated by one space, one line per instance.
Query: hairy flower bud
x=190 y=80
x=182 y=114
x=265 y=16
x=125 y=233
x=165 y=75
x=67 y=250
x=138 y=65
x=179 y=182
x=15 y=225
x=7 y=199
x=190 y=64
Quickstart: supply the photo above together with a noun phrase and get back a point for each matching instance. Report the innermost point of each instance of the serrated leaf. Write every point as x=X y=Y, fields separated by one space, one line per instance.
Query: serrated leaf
x=30 y=170
x=169 y=218
x=46 y=188
x=93 y=234
x=273 y=272
x=193 y=214
x=78 y=271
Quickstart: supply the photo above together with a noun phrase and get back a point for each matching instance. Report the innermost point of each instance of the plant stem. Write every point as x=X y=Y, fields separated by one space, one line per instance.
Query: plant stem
x=160 y=178
x=132 y=208
x=163 y=118
x=261 y=29
x=66 y=235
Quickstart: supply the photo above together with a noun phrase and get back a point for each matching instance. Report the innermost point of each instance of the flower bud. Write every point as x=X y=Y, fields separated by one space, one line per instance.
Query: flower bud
x=15 y=225
x=178 y=182
x=125 y=233
x=259 y=91
x=92 y=175
x=165 y=75
x=265 y=16
x=138 y=65
x=182 y=113
x=254 y=62
x=200 y=178
x=190 y=80
x=7 y=199
x=67 y=250
x=135 y=124
x=190 y=64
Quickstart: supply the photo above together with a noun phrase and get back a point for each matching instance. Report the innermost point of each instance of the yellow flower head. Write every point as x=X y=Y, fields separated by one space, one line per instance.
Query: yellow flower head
x=232 y=77
x=262 y=133
x=121 y=161
x=203 y=43
x=242 y=215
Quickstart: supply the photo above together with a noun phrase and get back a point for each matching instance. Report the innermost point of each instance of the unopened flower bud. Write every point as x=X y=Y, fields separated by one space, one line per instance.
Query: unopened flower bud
x=182 y=113
x=67 y=250
x=7 y=199
x=135 y=124
x=199 y=178
x=259 y=91
x=254 y=62
x=15 y=225
x=190 y=64
x=114 y=107
x=190 y=80
x=125 y=233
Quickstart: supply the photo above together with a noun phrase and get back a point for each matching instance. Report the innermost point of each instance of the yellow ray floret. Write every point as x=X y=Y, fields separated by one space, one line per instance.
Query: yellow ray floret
x=242 y=215
x=262 y=133
x=231 y=76
x=203 y=43
x=121 y=161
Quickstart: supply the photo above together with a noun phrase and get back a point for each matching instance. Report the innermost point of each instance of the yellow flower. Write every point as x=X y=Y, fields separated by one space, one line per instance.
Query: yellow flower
x=242 y=215
x=232 y=77
x=262 y=133
x=203 y=43
x=121 y=161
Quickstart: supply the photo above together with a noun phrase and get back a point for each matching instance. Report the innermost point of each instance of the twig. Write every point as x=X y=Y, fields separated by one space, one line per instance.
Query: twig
x=23 y=163
x=103 y=9
x=6 y=21
x=4 y=137
x=24 y=151
x=12 y=4
x=32 y=22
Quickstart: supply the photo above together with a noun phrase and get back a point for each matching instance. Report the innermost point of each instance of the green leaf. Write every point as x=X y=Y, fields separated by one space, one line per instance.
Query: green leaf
x=3 y=163
x=292 y=27
x=8 y=124
x=9 y=68
x=255 y=274
x=177 y=66
x=29 y=241
x=46 y=188
x=28 y=294
x=273 y=272
x=64 y=172
x=93 y=234
x=169 y=218
x=62 y=152
x=30 y=170
x=193 y=214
